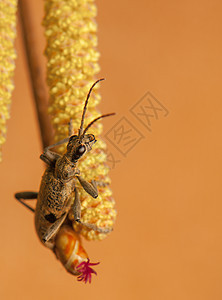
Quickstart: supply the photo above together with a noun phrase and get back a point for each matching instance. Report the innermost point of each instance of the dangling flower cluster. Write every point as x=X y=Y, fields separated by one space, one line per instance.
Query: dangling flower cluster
x=72 y=64
x=8 y=10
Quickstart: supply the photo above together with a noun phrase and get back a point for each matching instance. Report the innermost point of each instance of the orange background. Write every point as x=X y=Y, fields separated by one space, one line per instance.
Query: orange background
x=167 y=241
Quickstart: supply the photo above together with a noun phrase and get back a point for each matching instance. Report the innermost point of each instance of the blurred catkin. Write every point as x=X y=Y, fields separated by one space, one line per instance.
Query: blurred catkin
x=8 y=10
x=72 y=63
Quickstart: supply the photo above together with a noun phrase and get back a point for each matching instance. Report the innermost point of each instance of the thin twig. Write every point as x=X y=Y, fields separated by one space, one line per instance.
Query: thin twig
x=35 y=69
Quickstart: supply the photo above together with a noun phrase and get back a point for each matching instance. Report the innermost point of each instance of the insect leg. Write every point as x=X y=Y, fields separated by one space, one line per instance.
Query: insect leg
x=58 y=143
x=90 y=188
x=76 y=208
x=64 y=140
x=95 y=228
x=52 y=230
x=70 y=128
x=26 y=196
x=49 y=157
x=99 y=183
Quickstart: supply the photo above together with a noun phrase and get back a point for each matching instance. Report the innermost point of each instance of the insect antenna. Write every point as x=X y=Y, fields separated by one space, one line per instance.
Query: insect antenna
x=96 y=119
x=85 y=106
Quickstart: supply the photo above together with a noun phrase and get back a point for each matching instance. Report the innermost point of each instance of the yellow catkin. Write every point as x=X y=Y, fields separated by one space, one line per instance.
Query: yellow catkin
x=72 y=64
x=8 y=10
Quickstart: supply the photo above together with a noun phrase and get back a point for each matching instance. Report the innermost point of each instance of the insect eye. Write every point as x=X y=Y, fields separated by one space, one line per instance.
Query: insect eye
x=80 y=149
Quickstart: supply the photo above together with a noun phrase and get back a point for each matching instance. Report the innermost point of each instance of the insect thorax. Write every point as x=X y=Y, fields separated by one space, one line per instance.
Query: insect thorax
x=65 y=169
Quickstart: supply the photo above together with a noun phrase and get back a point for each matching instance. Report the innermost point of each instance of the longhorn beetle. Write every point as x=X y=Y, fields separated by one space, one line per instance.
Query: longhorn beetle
x=54 y=199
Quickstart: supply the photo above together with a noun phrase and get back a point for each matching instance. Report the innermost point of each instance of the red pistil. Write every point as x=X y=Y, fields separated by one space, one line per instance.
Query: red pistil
x=85 y=271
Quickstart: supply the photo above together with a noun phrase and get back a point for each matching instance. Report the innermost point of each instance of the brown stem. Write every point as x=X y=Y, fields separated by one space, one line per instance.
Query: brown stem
x=35 y=69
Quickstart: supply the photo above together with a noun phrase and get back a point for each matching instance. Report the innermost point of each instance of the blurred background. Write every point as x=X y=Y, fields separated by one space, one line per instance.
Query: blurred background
x=163 y=67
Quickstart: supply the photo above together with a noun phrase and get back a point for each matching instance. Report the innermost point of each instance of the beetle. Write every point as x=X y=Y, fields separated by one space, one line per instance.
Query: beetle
x=55 y=196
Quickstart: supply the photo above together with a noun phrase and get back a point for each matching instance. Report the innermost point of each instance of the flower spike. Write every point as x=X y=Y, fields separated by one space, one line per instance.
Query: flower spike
x=72 y=66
